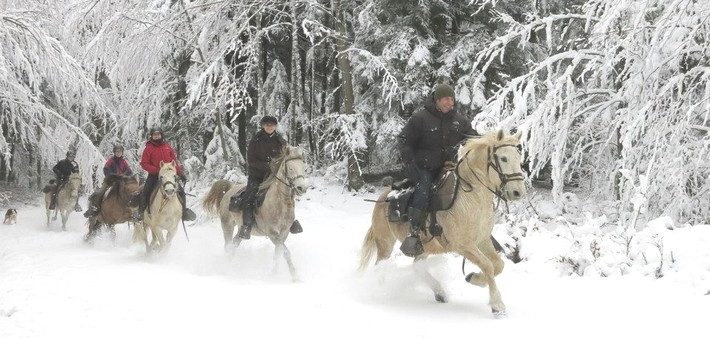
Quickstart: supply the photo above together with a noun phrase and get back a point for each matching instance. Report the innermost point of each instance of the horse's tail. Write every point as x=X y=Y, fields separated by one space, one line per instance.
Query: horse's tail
x=214 y=196
x=369 y=248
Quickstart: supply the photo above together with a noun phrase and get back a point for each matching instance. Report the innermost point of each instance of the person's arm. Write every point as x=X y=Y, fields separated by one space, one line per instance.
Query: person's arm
x=107 y=166
x=57 y=170
x=145 y=162
x=408 y=139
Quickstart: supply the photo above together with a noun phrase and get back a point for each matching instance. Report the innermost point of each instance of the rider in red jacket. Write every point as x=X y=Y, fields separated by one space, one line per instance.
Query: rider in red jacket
x=157 y=150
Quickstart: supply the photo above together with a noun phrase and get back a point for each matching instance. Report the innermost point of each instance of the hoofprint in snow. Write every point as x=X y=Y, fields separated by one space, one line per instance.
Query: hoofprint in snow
x=52 y=284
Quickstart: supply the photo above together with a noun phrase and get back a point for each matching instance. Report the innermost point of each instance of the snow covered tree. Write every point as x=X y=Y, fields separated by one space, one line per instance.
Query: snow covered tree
x=618 y=105
x=47 y=104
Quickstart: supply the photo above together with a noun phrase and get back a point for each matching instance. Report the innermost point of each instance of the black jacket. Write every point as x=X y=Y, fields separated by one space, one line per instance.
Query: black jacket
x=64 y=168
x=262 y=148
x=430 y=137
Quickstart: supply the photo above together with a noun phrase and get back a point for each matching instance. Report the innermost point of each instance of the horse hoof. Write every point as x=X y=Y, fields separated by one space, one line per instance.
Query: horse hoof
x=441 y=298
x=499 y=313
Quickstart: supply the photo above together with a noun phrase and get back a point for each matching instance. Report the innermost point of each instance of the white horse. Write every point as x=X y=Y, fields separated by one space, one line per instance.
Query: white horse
x=164 y=212
x=66 y=200
x=488 y=167
x=275 y=217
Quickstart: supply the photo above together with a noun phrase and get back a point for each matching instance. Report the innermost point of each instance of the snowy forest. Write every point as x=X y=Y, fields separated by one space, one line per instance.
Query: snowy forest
x=612 y=96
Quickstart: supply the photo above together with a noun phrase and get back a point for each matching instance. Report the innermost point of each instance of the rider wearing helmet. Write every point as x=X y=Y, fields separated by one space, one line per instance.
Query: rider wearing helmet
x=156 y=150
x=115 y=165
x=62 y=170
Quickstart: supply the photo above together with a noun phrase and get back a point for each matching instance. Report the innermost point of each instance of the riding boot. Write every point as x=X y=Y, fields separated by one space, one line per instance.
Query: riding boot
x=296 y=227
x=187 y=214
x=138 y=213
x=53 y=202
x=249 y=220
x=77 y=207
x=412 y=245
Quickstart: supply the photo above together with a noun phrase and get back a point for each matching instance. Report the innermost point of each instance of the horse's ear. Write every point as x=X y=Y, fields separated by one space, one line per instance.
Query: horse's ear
x=173 y=163
x=518 y=135
x=286 y=150
x=500 y=135
x=161 y=163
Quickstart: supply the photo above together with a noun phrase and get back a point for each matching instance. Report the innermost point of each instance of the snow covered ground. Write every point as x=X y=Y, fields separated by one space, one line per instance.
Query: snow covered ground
x=54 y=285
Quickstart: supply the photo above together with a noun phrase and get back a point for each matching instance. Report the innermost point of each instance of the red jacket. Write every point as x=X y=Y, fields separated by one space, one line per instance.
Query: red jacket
x=156 y=152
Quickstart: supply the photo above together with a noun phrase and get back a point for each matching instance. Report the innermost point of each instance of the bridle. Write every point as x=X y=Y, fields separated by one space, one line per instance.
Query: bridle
x=289 y=179
x=164 y=184
x=494 y=163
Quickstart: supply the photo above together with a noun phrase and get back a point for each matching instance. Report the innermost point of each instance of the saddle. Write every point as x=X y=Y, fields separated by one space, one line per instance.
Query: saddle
x=53 y=186
x=238 y=200
x=442 y=197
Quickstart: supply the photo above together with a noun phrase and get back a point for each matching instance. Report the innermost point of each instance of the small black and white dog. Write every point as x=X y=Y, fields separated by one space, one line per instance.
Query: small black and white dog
x=10 y=216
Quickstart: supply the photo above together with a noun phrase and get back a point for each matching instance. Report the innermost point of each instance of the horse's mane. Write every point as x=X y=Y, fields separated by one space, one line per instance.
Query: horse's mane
x=490 y=139
x=114 y=182
x=288 y=153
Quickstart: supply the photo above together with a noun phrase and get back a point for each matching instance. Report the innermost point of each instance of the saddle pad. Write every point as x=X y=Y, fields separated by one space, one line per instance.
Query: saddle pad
x=398 y=203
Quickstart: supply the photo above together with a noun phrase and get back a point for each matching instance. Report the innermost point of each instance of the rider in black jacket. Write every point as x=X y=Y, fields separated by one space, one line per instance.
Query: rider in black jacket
x=428 y=140
x=62 y=170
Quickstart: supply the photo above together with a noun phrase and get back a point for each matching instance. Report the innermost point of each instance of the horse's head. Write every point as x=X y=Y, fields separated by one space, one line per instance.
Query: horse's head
x=291 y=170
x=168 y=178
x=131 y=188
x=74 y=184
x=501 y=164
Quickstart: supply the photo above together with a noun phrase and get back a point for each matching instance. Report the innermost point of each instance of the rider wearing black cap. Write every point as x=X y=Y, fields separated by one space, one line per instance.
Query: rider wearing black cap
x=63 y=169
x=264 y=146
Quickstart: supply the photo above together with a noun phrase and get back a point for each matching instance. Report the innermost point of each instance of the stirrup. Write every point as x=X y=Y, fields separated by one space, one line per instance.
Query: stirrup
x=188 y=215
x=412 y=246
x=78 y=208
x=296 y=227
x=137 y=216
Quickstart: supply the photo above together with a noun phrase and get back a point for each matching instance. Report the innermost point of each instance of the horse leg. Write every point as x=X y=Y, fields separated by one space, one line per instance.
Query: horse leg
x=93 y=227
x=488 y=249
x=49 y=216
x=487 y=270
x=278 y=251
x=158 y=241
x=169 y=237
x=148 y=246
x=112 y=233
x=231 y=242
x=423 y=272
x=65 y=218
x=286 y=253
